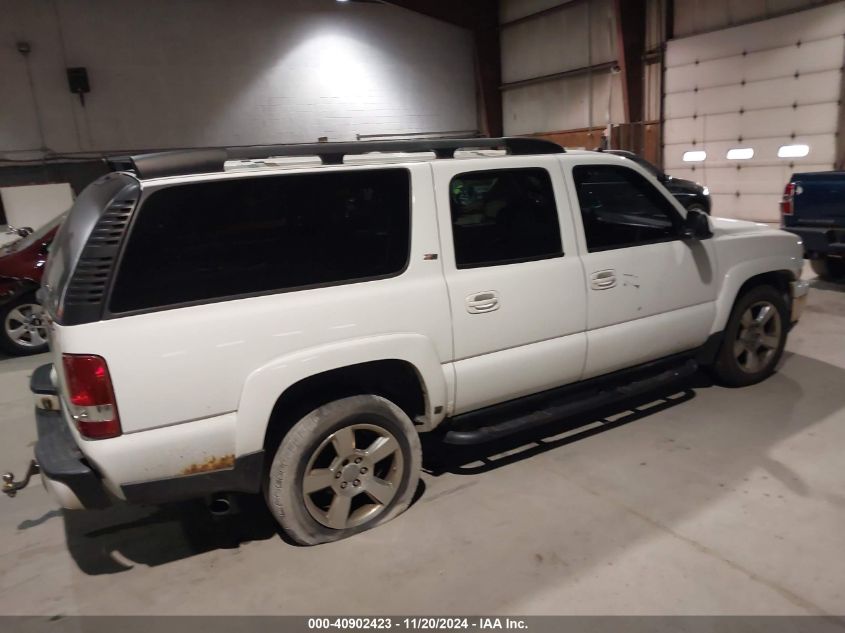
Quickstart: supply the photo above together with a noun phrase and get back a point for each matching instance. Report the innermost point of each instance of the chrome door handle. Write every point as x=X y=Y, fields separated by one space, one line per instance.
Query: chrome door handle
x=603 y=279
x=481 y=302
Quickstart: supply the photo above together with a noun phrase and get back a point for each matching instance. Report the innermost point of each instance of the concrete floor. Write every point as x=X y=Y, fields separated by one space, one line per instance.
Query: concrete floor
x=714 y=501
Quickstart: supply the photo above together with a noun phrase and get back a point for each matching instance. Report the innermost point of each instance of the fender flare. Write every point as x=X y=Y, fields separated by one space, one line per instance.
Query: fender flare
x=736 y=276
x=265 y=385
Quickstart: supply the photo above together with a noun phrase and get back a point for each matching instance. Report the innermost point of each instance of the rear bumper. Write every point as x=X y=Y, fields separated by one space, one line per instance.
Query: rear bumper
x=66 y=472
x=820 y=241
x=64 y=469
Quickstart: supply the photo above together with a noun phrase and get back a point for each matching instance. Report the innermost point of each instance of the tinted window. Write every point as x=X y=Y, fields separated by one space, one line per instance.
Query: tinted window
x=206 y=241
x=504 y=216
x=621 y=208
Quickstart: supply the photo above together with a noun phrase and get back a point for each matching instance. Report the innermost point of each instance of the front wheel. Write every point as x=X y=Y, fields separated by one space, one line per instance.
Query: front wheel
x=754 y=338
x=344 y=468
x=24 y=327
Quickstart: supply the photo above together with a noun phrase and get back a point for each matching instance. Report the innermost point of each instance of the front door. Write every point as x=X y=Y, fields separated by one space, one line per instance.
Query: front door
x=514 y=277
x=650 y=293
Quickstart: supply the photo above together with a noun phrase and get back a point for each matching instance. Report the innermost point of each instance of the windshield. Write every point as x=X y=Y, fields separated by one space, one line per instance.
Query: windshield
x=642 y=162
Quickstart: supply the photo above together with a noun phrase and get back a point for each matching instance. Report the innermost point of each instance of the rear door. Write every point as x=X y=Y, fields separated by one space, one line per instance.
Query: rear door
x=514 y=278
x=650 y=293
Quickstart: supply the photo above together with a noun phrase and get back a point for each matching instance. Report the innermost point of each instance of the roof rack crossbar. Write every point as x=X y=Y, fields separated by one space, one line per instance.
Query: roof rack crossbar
x=201 y=161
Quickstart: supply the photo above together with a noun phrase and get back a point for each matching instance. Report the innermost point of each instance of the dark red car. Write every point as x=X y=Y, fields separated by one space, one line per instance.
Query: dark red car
x=22 y=263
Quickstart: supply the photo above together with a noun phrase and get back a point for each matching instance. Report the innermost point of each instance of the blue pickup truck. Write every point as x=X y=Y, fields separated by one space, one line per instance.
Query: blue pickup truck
x=813 y=207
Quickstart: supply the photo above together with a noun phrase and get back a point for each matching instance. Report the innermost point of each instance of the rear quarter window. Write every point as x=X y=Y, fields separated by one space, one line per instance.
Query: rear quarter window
x=216 y=240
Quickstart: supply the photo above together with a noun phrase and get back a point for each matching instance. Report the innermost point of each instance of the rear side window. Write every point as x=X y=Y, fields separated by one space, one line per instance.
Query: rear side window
x=216 y=240
x=620 y=208
x=504 y=216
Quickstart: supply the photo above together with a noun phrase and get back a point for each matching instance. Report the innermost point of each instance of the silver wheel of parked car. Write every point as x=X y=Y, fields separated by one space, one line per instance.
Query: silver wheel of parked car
x=24 y=327
x=346 y=467
x=352 y=476
x=758 y=338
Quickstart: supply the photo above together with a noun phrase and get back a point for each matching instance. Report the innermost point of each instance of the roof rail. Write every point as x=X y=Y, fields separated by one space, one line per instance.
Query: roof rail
x=201 y=161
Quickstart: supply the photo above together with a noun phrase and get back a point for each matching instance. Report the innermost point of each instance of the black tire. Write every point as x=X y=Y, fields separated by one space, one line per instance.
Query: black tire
x=735 y=367
x=19 y=313
x=829 y=268
x=698 y=207
x=311 y=446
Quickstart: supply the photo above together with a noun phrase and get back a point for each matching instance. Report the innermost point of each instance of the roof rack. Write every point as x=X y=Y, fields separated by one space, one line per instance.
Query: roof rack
x=201 y=161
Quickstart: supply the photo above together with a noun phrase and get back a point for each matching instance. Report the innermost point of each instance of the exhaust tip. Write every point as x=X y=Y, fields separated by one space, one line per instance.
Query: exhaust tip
x=220 y=505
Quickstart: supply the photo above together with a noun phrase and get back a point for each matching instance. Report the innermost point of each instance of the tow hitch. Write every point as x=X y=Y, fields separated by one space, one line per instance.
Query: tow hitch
x=11 y=487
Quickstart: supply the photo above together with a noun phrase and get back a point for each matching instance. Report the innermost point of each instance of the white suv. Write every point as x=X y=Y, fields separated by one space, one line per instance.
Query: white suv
x=291 y=325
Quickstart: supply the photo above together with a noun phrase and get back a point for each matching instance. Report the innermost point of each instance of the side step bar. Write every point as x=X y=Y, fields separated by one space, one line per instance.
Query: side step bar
x=578 y=402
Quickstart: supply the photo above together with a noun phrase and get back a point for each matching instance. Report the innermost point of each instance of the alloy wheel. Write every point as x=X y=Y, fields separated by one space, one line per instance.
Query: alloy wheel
x=758 y=338
x=25 y=325
x=352 y=476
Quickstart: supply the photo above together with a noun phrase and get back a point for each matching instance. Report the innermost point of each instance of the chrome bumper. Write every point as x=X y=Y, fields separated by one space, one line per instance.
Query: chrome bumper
x=799 y=290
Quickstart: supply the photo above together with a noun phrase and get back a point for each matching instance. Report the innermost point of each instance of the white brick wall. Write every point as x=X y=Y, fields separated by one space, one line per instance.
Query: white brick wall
x=187 y=73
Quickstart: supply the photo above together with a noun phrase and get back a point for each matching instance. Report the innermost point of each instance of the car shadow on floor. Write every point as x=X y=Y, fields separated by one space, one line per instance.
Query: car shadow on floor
x=119 y=537
x=821 y=284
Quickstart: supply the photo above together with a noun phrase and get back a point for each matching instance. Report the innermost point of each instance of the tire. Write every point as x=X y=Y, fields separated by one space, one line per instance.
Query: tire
x=829 y=269
x=698 y=207
x=22 y=327
x=754 y=338
x=378 y=445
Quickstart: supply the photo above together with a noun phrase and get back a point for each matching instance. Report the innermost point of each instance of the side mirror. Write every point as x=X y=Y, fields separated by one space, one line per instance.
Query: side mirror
x=696 y=226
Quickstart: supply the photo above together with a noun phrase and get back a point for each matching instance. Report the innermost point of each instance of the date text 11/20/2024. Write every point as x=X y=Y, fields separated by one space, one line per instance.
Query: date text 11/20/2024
x=418 y=623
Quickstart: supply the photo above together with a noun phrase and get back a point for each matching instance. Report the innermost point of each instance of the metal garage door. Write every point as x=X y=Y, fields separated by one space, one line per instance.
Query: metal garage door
x=747 y=106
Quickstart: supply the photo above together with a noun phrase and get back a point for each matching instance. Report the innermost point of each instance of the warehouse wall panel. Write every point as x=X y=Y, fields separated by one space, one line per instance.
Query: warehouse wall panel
x=563 y=104
x=573 y=36
x=699 y=16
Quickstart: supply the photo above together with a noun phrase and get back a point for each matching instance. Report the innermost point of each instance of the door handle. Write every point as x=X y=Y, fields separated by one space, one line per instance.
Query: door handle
x=481 y=302
x=603 y=279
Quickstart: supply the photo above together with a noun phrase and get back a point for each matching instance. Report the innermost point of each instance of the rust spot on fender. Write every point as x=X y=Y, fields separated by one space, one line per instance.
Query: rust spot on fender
x=210 y=464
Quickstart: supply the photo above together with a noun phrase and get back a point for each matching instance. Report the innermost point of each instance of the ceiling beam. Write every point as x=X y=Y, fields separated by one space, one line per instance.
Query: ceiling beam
x=630 y=30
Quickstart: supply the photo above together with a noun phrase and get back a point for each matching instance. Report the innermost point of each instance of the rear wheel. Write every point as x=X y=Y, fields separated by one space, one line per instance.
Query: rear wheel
x=754 y=337
x=829 y=268
x=24 y=328
x=344 y=468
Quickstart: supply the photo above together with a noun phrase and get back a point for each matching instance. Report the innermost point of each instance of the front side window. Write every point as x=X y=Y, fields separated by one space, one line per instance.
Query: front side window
x=620 y=208
x=504 y=216
x=215 y=240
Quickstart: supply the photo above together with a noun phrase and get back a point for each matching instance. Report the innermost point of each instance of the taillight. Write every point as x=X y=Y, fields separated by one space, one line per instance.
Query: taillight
x=787 y=203
x=92 y=401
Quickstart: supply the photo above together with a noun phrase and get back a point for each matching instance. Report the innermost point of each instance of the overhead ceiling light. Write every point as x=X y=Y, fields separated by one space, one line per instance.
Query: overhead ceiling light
x=740 y=153
x=793 y=151
x=694 y=156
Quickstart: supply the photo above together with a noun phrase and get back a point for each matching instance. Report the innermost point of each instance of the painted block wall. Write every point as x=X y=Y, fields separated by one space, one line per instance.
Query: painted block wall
x=191 y=73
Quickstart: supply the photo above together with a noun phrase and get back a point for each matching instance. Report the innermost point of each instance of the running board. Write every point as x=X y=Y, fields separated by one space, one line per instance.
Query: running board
x=577 y=402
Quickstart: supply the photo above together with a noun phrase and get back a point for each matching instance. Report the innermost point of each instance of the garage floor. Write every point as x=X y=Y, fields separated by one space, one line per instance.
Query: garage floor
x=714 y=501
